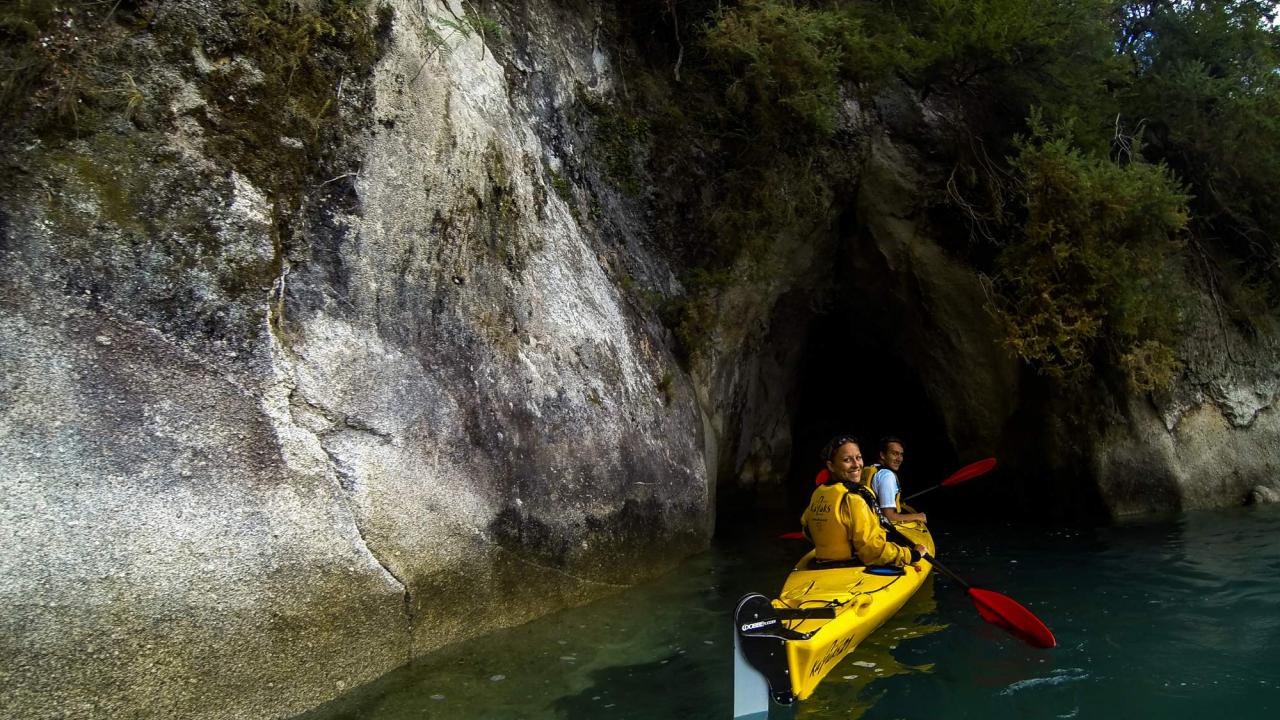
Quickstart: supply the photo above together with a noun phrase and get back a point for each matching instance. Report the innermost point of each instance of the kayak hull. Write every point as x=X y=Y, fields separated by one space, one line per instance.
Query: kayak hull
x=822 y=615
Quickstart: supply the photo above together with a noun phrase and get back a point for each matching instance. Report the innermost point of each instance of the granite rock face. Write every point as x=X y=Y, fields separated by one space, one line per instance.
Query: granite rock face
x=1211 y=441
x=259 y=447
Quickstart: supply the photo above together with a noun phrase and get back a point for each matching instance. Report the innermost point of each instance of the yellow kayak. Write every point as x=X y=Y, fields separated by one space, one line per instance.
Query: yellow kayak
x=822 y=614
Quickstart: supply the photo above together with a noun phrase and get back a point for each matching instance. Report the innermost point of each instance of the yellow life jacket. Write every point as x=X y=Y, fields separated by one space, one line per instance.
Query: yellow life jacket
x=842 y=526
x=827 y=520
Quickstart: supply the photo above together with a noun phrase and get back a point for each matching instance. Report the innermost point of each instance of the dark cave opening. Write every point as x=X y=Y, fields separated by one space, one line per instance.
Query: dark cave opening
x=839 y=378
x=837 y=375
x=866 y=348
x=849 y=383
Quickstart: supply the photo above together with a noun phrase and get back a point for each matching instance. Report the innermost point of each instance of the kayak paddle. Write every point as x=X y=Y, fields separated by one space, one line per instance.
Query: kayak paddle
x=1004 y=612
x=968 y=472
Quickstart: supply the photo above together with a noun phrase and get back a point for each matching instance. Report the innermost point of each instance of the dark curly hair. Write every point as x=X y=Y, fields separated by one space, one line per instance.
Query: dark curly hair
x=884 y=442
x=829 y=450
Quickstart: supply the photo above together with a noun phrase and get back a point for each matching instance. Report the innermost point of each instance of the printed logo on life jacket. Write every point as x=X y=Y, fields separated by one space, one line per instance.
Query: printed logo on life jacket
x=757 y=625
x=835 y=651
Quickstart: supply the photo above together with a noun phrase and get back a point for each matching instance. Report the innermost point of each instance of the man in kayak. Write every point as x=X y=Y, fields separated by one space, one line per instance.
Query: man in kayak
x=841 y=519
x=884 y=481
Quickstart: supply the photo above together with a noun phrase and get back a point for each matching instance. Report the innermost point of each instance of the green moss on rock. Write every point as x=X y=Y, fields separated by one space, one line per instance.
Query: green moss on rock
x=278 y=116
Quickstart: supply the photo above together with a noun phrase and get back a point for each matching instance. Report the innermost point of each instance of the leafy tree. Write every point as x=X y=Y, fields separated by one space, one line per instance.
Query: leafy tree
x=1092 y=271
x=1207 y=89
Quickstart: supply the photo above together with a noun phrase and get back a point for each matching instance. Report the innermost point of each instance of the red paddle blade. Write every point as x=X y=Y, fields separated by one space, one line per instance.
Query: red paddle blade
x=1003 y=611
x=971 y=471
x=791 y=536
x=822 y=477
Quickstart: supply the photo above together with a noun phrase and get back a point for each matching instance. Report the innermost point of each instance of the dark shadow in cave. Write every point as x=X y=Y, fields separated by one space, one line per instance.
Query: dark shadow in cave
x=837 y=377
x=834 y=355
x=849 y=384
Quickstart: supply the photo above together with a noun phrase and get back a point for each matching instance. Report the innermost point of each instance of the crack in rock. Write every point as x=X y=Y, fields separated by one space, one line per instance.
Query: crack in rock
x=559 y=571
x=302 y=429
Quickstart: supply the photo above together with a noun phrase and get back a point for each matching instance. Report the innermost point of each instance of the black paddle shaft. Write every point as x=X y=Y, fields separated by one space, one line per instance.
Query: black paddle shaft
x=944 y=569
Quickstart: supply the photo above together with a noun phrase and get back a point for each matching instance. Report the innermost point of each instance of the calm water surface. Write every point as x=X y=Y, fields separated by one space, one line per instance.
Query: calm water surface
x=1171 y=619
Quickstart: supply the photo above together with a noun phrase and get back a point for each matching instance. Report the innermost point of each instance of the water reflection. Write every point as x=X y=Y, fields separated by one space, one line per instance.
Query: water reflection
x=659 y=650
x=1168 y=619
x=849 y=691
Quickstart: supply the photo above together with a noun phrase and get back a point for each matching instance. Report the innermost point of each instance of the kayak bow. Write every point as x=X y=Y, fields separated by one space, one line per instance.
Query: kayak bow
x=791 y=643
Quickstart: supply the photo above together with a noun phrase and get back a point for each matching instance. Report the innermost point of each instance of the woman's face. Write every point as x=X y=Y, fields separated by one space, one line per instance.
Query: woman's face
x=847 y=463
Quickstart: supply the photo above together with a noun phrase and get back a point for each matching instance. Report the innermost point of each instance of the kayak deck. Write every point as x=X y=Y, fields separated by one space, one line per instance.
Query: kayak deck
x=861 y=598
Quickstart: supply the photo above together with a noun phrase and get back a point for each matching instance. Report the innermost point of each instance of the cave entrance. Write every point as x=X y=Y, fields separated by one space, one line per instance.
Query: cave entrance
x=849 y=382
x=828 y=369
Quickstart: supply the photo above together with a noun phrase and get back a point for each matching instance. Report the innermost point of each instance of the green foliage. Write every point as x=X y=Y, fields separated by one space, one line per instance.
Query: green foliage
x=965 y=39
x=768 y=90
x=434 y=42
x=996 y=59
x=307 y=54
x=53 y=74
x=562 y=187
x=759 y=203
x=483 y=25
x=692 y=316
x=437 y=42
x=1151 y=365
x=1093 y=273
x=1208 y=87
x=784 y=64
x=470 y=24
x=619 y=137
x=664 y=387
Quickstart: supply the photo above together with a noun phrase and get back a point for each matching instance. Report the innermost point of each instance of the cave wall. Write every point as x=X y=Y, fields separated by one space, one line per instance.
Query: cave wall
x=1210 y=441
x=1066 y=452
x=881 y=277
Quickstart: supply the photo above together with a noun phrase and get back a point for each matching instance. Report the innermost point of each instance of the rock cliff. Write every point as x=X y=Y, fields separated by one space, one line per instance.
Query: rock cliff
x=331 y=335
x=282 y=410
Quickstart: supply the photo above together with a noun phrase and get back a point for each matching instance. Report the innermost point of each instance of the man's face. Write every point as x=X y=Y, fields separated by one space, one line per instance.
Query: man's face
x=891 y=457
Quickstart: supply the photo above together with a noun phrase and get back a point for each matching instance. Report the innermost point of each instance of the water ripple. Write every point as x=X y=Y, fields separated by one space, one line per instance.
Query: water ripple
x=1059 y=677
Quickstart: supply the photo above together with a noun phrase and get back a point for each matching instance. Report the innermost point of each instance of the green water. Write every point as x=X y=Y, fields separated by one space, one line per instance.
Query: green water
x=1171 y=619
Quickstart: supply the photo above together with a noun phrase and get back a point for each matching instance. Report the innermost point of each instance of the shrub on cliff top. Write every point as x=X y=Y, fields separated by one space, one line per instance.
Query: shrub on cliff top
x=1092 y=273
x=784 y=63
